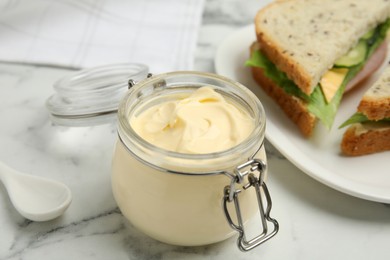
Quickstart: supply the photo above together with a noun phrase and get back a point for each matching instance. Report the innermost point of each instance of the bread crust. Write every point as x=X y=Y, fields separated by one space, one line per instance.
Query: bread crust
x=293 y=107
x=282 y=59
x=371 y=141
x=375 y=109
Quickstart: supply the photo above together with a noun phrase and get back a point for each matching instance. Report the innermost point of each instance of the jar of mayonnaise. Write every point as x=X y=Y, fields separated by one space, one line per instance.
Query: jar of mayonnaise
x=189 y=167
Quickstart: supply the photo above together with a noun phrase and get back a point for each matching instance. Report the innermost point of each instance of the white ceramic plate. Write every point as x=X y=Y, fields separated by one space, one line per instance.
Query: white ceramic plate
x=366 y=177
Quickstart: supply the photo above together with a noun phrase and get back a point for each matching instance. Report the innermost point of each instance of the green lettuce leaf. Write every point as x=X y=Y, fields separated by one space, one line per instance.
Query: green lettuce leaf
x=257 y=59
x=360 y=118
x=325 y=111
x=316 y=102
x=355 y=118
x=378 y=37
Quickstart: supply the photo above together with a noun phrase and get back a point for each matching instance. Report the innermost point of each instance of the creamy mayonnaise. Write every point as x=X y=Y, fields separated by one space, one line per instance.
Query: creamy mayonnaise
x=203 y=122
x=184 y=209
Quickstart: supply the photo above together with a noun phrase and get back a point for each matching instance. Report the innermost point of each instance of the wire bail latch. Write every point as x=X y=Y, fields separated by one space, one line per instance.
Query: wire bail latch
x=231 y=194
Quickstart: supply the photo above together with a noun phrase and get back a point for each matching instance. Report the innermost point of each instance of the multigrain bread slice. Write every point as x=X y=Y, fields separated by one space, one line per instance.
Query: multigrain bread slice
x=374 y=135
x=293 y=107
x=375 y=103
x=363 y=139
x=284 y=29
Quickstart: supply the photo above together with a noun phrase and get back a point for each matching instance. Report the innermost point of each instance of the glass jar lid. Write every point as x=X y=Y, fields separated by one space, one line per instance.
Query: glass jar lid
x=91 y=96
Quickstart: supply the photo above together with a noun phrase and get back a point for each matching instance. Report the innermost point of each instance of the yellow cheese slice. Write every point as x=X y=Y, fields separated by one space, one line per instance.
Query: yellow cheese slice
x=331 y=81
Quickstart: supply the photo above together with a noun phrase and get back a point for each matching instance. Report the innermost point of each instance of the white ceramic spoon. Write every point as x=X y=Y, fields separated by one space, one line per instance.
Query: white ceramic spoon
x=35 y=198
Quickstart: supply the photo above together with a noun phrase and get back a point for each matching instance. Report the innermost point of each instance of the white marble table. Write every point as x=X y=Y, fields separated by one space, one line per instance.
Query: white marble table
x=316 y=222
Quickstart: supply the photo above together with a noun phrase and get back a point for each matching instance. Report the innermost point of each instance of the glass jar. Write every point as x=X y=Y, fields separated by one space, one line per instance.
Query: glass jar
x=191 y=199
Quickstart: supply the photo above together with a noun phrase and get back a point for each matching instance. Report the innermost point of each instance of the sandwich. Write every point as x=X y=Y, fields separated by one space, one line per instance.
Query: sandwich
x=309 y=52
x=369 y=127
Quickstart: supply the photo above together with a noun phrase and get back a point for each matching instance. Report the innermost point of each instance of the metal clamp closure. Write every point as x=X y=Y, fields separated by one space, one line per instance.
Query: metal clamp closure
x=231 y=194
x=157 y=85
x=132 y=82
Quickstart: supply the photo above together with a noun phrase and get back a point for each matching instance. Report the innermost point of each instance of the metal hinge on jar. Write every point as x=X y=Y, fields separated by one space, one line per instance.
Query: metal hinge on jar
x=156 y=85
x=231 y=194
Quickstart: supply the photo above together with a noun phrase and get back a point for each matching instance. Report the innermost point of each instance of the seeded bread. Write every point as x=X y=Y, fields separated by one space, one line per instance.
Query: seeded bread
x=372 y=137
x=375 y=103
x=304 y=38
x=293 y=107
x=362 y=139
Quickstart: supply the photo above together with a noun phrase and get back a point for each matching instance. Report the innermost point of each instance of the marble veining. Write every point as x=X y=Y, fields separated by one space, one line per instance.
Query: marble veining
x=316 y=222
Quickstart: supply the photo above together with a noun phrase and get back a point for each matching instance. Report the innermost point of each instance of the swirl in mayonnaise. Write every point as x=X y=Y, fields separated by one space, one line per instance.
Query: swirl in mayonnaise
x=202 y=122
